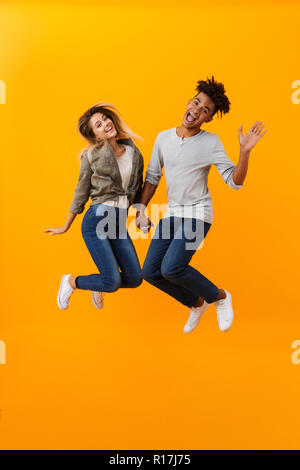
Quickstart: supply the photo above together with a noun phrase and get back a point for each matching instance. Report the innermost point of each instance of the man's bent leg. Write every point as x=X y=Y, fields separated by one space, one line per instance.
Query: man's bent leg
x=175 y=266
x=152 y=265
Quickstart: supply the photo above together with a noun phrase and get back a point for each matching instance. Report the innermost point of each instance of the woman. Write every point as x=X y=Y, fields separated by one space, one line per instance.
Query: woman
x=111 y=173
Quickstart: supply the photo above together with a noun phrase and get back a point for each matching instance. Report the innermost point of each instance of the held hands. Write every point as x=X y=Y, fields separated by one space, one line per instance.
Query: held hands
x=143 y=222
x=249 y=140
x=56 y=231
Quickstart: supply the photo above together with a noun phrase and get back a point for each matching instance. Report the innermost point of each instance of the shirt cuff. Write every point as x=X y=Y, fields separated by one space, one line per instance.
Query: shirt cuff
x=76 y=209
x=233 y=185
x=152 y=178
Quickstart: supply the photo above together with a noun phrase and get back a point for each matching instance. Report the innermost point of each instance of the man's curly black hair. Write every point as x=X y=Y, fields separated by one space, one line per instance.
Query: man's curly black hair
x=216 y=91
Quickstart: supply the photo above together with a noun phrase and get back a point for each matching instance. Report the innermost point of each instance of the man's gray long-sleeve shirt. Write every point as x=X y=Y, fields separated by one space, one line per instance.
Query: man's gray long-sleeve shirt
x=186 y=164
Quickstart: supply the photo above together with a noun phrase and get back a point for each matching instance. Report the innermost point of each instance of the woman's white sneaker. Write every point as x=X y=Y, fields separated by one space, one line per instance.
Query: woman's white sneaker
x=224 y=312
x=194 y=318
x=97 y=298
x=65 y=292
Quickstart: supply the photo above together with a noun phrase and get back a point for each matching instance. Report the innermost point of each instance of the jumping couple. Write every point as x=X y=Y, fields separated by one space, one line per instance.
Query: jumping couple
x=111 y=174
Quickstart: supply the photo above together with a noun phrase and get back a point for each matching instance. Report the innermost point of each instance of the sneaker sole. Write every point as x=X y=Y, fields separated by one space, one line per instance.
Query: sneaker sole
x=96 y=305
x=59 y=292
x=228 y=327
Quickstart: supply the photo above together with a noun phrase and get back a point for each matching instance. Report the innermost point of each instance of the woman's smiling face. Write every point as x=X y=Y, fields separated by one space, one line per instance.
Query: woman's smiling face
x=199 y=110
x=102 y=126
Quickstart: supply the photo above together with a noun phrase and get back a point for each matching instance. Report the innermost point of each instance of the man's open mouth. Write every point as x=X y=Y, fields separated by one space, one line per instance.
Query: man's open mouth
x=190 y=117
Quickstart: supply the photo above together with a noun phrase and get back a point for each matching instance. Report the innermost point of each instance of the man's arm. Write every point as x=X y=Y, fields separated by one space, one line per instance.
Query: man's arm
x=147 y=194
x=247 y=142
x=142 y=221
x=241 y=168
x=152 y=178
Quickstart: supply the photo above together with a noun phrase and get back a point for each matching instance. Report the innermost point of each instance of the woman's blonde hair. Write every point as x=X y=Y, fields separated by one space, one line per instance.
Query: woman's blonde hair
x=109 y=110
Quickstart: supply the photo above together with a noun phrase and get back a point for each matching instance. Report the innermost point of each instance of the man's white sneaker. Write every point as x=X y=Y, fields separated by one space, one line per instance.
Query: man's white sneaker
x=194 y=318
x=224 y=312
x=97 y=298
x=65 y=292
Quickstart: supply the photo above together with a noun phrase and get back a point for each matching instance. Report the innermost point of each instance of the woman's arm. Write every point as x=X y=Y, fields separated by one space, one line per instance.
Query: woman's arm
x=60 y=230
x=83 y=187
x=82 y=193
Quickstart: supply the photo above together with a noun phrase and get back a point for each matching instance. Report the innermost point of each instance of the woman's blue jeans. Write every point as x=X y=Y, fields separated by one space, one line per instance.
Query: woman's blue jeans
x=105 y=234
x=167 y=262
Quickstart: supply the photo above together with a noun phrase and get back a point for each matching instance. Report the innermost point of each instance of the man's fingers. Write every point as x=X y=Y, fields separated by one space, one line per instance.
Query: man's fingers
x=254 y=126
x=263 y=134
x=260 y=129
x=258 y=126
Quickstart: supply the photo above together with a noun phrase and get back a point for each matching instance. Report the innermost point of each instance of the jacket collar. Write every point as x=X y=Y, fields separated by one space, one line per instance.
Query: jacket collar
x=127 y=141
x=107 y=149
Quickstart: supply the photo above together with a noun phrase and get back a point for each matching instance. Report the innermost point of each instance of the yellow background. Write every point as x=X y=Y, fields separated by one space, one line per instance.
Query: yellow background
x=127 y=377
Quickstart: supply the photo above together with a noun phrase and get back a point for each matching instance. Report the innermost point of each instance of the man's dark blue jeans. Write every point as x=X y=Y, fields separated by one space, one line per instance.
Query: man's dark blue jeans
x=105 y=234
x=167 y=262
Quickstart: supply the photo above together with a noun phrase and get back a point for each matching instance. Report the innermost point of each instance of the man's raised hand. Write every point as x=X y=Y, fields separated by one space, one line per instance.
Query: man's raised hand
x=250 y=139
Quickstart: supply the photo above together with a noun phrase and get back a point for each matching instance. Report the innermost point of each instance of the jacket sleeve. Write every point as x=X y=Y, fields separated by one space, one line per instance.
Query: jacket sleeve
x=154 y=170
x=83 y=187
x=140 y=179
x=224 y=165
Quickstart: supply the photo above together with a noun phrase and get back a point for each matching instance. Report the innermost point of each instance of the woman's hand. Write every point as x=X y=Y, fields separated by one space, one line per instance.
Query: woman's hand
x=60 y=230
x=249 y=140
x=56 y=231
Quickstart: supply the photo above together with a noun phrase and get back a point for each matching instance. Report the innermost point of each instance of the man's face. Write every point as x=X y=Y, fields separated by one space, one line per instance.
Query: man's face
x=199 y=110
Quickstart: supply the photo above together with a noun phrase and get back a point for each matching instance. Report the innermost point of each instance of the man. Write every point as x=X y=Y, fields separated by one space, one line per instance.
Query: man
x=187 y=153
